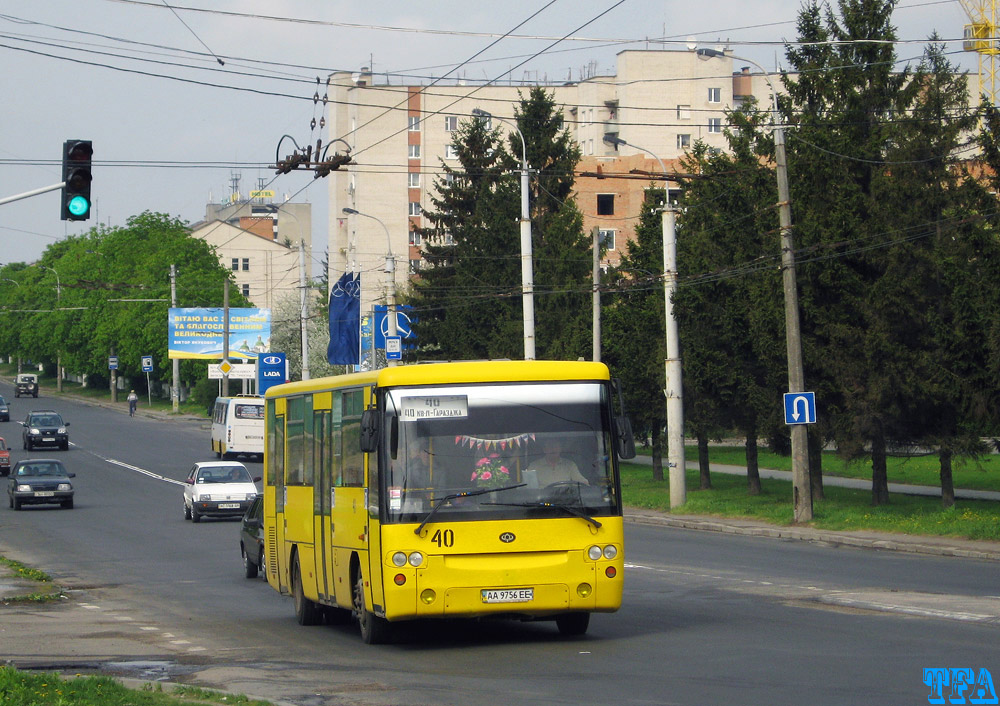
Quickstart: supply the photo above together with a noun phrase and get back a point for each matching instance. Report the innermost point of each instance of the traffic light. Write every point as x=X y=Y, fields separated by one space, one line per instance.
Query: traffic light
x=76 y=177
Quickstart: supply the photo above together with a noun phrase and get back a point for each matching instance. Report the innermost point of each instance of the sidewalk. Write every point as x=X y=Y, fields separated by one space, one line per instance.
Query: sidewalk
x=857 y=483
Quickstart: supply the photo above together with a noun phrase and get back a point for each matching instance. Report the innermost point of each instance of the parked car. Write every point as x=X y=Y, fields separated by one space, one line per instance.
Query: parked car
x=36 y=481
x=4 y=411
x=4 y=458
x=218 y=489
x=44 y=427
x=252 y=538
x=26 y=384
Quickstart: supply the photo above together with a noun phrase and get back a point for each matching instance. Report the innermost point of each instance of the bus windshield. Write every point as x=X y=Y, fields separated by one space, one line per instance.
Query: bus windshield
x=497 y=451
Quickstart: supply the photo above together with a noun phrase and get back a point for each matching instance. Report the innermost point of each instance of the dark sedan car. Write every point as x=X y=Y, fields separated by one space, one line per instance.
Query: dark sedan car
x=252 y=538
x=4 y=410
x=37 y=481
x=44 y=427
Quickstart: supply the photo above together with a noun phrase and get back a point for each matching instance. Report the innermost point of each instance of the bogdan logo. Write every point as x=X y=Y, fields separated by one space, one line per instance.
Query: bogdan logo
x=961 y=684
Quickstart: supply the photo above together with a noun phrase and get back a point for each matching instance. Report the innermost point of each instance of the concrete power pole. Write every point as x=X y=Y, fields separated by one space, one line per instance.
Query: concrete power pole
x=304 y=313
x=175 y=372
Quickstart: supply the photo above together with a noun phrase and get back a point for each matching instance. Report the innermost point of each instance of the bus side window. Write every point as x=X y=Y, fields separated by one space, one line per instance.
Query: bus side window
x=352 y=458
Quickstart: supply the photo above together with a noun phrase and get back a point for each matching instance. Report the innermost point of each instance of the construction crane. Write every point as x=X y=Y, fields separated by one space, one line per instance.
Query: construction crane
x=981 y=37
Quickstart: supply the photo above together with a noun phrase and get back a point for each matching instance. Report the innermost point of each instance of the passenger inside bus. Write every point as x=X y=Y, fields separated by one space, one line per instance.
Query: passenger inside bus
x=553 y=467
x=417 y=473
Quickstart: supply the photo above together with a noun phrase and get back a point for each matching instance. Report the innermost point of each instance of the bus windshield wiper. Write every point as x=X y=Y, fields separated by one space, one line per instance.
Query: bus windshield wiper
x=568 y=508
x=454 y=496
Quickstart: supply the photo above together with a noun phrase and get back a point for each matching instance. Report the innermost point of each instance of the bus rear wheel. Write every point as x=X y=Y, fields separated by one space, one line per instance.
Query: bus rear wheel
x=374 y=630
x=306 y=612
x=573 y=623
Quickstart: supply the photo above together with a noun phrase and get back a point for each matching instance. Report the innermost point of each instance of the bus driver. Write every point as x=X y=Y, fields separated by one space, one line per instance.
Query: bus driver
x=554 y=468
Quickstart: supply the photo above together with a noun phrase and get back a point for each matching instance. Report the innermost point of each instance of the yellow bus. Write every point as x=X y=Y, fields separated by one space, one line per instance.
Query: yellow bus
x=476 y=489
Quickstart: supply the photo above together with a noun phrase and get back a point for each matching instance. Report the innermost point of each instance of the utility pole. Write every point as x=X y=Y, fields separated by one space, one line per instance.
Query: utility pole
x=674 y=387
x=527 y=269
x=225 y=336
x=597 y=294
x=802 y=506
x=175 y=380
x=304 y=313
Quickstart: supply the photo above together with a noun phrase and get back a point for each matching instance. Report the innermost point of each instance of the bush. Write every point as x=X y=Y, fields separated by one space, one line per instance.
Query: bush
x=204 y=393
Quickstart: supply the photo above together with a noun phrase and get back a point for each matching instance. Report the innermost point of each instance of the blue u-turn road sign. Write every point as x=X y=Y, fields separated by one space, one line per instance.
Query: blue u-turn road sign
x=800 y=408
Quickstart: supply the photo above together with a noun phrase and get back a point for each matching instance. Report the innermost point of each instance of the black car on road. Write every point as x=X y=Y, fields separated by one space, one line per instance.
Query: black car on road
x=37 y=481
x=44 y=427
x=252 y=538
x=4 y=411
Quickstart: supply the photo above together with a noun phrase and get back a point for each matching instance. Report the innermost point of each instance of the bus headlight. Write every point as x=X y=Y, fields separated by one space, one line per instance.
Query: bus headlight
x=610 y=551
x=584 y=590
x=399 y=559
x=595 y=553
x=428 y=595
x=416 y=559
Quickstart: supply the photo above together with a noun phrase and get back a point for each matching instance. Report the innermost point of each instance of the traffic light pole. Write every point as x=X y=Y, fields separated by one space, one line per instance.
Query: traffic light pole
x=33 y=192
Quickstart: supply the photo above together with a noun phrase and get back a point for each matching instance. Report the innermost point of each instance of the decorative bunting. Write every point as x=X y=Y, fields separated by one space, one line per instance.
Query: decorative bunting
x=476 y=442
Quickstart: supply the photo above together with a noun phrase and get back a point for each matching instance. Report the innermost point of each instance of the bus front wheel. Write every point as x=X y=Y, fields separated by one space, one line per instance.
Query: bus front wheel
x=374 y=630
x=306 y=611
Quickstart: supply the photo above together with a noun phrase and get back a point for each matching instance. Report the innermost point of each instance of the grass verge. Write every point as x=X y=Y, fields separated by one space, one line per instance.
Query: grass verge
x=47 y=590
x=841 y=509
x=20 y=688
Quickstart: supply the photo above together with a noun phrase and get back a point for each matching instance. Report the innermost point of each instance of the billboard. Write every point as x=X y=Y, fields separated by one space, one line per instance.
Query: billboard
x=197 y=333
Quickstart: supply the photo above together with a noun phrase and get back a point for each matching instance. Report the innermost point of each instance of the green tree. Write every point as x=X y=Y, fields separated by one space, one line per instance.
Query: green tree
x=468 y=300
x=842 y=100
x=113 y=295
x=464 y=299
x=632 y=327
x=730 y=305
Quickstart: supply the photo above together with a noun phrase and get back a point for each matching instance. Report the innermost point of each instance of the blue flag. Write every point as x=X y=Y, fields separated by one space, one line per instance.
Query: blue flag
x=345 y=320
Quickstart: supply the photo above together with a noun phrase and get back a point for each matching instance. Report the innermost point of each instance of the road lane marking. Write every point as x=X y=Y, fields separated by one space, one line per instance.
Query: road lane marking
x=143 y=471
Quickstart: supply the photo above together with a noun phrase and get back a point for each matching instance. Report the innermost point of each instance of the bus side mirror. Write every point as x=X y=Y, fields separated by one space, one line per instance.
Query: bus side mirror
x=626 y=441
x=369 y=430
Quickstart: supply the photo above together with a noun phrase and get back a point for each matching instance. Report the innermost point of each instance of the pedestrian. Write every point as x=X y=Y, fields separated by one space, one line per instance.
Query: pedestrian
x=133 y=400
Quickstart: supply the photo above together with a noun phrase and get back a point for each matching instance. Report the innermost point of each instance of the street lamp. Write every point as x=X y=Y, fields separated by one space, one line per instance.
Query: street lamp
x=674 y=384
x=59 y=303
x=390 y=273
x=527 y=275
x=801 y=492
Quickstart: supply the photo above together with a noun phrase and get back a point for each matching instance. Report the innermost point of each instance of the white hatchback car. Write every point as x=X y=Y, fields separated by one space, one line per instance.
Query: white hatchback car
x=218 y=489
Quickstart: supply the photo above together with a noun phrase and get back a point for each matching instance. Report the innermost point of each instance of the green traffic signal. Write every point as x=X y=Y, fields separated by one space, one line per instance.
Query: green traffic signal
x=78 y=206
x=76 y=175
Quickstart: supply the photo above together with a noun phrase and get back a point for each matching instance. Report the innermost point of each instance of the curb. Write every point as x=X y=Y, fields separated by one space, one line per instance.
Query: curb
x=966 y=549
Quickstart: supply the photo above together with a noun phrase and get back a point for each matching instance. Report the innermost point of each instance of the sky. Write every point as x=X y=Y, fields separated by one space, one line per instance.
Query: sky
x=179 y=96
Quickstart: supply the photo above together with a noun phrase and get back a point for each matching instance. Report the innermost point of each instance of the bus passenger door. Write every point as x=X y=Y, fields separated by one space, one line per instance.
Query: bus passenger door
x=324 y=559
x=274 y=499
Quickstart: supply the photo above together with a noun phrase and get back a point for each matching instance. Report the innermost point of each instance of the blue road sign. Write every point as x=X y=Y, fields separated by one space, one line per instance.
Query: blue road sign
x=113 y=362
x=800 y=408
x=272 y=370
x=147 y=363
x=403 y=326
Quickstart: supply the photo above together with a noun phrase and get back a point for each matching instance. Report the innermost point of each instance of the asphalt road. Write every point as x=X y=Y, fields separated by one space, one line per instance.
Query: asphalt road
x=707 y=618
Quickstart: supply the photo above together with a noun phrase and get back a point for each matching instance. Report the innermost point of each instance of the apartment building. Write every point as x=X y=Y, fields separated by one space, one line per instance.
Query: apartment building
x=265 y=271
x=284 y=222
x=659 y=102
